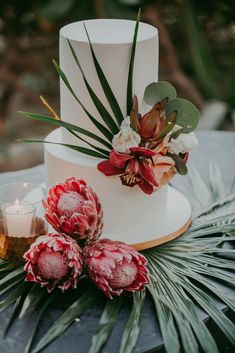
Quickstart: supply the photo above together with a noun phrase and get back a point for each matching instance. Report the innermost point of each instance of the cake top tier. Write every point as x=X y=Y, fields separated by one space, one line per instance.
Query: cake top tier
x=107 y=31
x=112 y=44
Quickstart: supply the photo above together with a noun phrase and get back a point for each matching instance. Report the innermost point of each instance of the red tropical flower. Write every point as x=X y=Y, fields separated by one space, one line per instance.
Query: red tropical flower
x=116 y=267
x=74 y=208
x=54 y=260
x=150 y=125
x=134 y=168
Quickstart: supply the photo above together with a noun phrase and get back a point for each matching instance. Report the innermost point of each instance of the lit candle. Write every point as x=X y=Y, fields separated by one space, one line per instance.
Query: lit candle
x=18 y=219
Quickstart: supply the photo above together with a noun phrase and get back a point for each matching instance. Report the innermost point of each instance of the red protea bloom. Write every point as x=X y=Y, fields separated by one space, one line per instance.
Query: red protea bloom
x=74 y=208
x=134 y=168
x=115 y=267
x=54 y=260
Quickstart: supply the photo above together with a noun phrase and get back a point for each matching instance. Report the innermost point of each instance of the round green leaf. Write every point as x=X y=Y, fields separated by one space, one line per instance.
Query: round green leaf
x=157 y=91
x=187 y=114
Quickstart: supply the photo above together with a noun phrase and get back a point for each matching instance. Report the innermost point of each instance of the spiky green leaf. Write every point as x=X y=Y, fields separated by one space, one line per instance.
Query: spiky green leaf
x=98 y=125
x=85 y=301
x=67 y=126
x=105 y=85
x=131 y=67
x=132 y=329
x=108 y=319
x=80 y=149
x=104 y=114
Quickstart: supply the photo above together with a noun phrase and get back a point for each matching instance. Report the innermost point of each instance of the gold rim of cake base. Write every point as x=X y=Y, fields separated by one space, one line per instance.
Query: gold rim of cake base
x=165 y=239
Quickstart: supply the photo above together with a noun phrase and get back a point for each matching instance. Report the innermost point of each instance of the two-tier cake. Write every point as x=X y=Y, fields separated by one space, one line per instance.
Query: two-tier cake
x=130 y=214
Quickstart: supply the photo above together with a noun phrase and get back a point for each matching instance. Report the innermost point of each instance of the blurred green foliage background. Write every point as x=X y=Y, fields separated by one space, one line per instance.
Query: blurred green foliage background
x=197 y=54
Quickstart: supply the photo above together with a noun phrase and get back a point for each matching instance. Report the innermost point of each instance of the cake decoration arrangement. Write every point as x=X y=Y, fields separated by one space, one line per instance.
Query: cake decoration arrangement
x=144 y=149
x=109 y=204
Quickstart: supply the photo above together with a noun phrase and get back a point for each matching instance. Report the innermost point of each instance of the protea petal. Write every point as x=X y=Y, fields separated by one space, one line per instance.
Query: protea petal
x=148 y=123
x=115 y=267
x=54 y=261
x=74 y=208
x=134 y=114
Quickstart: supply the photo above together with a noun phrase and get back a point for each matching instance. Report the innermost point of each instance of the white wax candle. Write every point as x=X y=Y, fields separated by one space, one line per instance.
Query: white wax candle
x=19 y=218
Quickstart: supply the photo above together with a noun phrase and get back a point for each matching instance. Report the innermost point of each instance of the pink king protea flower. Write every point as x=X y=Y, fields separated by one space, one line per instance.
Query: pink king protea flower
x=74 y=208
x=115 y=267
x=54 y=260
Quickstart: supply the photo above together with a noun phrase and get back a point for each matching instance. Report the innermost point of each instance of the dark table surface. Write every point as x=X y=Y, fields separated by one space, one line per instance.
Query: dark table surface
x=214 y=147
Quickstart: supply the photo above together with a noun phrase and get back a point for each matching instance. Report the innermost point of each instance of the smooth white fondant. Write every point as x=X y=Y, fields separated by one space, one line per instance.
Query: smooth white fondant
x=127 y=211
x=112 y=42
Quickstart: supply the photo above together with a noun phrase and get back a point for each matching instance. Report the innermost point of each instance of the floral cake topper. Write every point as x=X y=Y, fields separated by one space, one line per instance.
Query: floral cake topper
x=144 y=150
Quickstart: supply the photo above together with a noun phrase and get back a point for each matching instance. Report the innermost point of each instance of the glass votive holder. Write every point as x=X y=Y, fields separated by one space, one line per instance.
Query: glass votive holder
x=21 y=218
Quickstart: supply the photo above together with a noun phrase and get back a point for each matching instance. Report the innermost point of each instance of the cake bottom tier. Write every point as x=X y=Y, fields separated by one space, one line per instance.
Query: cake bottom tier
x=128 y=212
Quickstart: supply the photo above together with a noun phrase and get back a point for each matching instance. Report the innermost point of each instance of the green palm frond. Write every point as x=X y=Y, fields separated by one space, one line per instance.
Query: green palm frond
x=107 y=118
x=185 y=283
x=106 y=132
x=131 y=67
x=67 y=126
x=90 y=152
x=105 y=84
x=107 y=320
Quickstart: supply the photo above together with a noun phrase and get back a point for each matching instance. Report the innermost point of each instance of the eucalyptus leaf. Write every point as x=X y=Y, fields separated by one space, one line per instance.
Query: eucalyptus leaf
x=187 y=114
x=179 y=164
x=155 y=92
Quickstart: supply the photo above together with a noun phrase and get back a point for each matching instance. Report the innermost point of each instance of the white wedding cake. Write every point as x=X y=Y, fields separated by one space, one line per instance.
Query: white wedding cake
x=128 y=212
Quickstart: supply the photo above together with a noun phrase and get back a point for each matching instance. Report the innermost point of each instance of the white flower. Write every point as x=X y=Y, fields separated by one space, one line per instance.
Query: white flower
x=183 y=143
x=126 y=138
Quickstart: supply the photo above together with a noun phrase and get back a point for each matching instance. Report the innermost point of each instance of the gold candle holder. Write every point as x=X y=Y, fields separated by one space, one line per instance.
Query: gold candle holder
x=21 y=219
x=13 y=248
